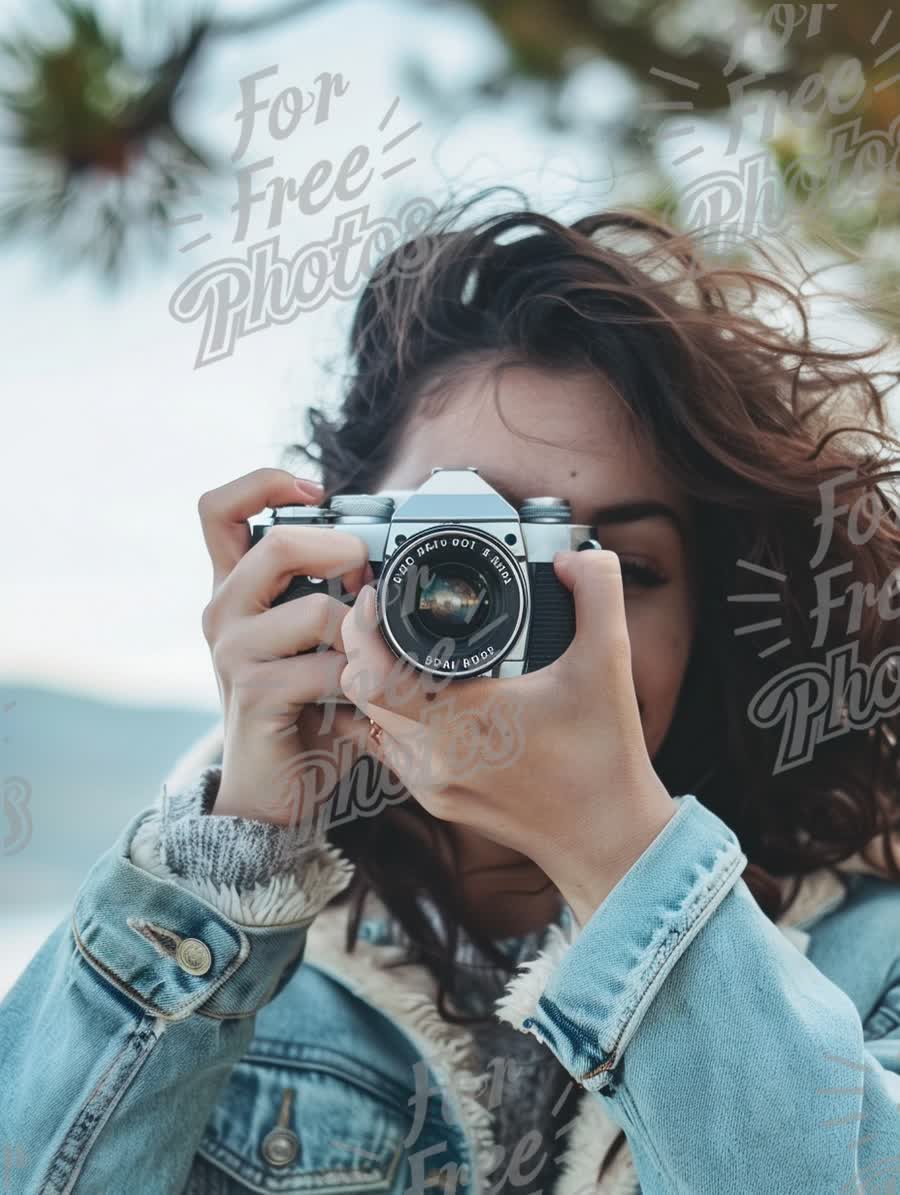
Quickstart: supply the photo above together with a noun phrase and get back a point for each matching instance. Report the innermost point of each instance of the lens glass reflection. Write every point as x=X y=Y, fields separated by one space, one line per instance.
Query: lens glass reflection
x=451 y=599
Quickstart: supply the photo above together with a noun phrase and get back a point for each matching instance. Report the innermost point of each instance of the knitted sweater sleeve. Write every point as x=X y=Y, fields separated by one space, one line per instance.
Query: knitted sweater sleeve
x=254 y=872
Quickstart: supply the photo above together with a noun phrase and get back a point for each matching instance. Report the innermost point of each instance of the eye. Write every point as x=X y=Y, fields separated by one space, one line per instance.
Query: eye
x=641 y=573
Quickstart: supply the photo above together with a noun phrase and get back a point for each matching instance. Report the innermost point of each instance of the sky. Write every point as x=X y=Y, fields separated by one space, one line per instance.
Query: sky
x=111 y=432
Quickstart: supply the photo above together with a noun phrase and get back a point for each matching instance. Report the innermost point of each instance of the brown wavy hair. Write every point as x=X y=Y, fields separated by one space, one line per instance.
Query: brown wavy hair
x=749 y=418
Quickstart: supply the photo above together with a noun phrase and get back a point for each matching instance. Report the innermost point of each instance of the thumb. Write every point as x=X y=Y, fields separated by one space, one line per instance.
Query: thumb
x=594 y=578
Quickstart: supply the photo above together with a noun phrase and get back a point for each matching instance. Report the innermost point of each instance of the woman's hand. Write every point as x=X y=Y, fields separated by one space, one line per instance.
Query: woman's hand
x=283 y=752
x=552 y=763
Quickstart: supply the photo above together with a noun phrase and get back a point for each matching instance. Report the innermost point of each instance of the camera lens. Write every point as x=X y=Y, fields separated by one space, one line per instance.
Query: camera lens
x=452 y=600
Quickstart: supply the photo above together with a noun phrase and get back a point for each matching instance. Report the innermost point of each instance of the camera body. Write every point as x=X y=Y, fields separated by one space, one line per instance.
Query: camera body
x=464 y=581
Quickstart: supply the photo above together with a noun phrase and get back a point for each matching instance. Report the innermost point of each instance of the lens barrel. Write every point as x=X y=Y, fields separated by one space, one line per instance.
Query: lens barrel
x=452 y=600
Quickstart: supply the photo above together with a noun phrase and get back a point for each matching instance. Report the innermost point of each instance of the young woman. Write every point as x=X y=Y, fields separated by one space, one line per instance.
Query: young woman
x=627 y=922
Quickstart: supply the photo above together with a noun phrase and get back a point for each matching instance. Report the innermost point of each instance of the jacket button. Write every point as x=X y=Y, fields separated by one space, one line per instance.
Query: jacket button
x=280 y=1147
x=193 y=956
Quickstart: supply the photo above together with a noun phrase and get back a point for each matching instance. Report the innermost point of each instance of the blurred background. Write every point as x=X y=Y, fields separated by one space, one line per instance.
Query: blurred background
x=134 y=376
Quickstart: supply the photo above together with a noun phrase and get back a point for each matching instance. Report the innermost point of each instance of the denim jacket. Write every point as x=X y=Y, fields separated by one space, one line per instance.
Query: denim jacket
x=180 y=1039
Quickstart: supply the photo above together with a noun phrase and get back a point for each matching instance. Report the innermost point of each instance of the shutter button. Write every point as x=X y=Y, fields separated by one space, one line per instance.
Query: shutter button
x=193 y=956
x=281 y=1145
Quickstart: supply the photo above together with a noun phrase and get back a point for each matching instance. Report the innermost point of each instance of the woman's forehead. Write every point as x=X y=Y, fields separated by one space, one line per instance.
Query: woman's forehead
x=567 y=436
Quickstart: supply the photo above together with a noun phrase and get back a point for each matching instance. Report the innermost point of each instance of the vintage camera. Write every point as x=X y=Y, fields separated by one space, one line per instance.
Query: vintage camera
x=464 y=582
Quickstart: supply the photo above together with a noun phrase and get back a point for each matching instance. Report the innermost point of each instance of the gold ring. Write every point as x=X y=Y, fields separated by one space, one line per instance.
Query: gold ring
x=375 y=732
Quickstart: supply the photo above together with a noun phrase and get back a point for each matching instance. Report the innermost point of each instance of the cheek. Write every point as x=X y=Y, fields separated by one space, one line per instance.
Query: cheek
x=660 y=645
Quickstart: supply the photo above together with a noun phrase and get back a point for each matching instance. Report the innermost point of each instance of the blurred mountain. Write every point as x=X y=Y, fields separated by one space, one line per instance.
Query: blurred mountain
x=86 y=767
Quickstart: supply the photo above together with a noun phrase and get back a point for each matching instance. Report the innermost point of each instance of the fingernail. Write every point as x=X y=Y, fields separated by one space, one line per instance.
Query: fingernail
x=309 y=487
x=366 y=601
x=562 y=562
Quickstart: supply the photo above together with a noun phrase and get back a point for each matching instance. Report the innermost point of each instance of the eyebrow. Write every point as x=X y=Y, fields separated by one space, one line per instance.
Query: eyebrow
x=630 y=511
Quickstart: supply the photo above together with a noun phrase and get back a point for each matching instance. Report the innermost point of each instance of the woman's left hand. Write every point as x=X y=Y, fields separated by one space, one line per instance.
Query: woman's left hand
x=552 y=763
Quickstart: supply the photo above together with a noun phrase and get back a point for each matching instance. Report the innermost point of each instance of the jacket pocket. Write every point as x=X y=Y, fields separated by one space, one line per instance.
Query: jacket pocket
x=301 y=1127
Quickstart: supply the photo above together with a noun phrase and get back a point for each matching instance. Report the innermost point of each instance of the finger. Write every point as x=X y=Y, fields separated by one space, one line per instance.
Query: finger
x=339 y=731
x=334 y=720
x=281 y=685
x=374 y=673
x=601 y=631
x=224 y=512
x=397 y=695
x=288 y=551
x=408 y=748
x=305 y=624
x=329 y=746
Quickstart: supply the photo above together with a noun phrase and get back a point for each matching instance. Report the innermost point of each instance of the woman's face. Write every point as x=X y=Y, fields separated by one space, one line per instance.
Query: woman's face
x=595 y=461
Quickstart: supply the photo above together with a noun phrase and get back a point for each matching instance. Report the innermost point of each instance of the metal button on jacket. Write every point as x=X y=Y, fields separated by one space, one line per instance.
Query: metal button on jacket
x=281 y=1145
x=193 y=956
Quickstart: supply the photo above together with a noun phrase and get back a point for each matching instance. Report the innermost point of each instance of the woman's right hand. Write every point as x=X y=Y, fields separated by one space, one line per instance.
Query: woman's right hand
x=267 y=690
